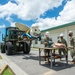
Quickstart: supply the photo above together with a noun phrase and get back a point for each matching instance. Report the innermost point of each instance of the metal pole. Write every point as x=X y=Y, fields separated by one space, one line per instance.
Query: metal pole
x=39 y=56
x=51 y=59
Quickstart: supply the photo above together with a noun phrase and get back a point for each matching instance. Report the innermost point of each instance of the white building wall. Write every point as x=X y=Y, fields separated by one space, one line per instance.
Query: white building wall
x=55 y=33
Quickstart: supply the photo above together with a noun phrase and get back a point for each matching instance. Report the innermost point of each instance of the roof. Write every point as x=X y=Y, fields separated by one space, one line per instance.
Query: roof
x=11 y=27
x=58 y=27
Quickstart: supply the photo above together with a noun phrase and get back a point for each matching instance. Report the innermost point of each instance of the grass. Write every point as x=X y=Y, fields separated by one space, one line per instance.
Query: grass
x=0 y=57
x=7 y=72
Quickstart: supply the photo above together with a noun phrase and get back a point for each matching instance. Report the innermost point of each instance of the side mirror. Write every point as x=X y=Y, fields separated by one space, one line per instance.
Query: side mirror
x=3 y=38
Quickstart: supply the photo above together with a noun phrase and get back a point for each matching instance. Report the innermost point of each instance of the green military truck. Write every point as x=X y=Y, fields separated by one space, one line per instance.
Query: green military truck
x=12 y=42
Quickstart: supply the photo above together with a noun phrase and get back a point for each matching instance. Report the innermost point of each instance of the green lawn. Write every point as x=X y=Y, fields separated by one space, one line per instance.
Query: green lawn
x=7 y=72
x=0 y=57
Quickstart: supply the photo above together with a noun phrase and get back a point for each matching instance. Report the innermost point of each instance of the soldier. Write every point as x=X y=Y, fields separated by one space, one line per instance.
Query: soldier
x=62 y=41
x=72 y=43
x=47 y=43
x=58 y=39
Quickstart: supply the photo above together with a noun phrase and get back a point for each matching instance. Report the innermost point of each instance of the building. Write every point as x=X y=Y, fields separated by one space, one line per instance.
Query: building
x=65 y=28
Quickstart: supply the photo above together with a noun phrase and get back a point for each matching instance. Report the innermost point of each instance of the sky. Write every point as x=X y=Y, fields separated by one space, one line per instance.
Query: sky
x=44 y=13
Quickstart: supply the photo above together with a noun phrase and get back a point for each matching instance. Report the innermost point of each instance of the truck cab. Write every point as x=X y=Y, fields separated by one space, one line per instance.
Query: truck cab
x=13 y=42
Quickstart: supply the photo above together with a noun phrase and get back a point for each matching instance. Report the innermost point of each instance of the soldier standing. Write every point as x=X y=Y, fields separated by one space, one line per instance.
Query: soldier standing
x=62 y=41
x=72 y=43
x=47 y=43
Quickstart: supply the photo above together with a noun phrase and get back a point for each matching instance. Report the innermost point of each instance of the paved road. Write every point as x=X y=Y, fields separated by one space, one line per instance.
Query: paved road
x=30 y=64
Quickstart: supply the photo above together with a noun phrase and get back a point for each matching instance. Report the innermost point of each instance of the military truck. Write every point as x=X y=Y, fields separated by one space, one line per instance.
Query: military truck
x=14 y=41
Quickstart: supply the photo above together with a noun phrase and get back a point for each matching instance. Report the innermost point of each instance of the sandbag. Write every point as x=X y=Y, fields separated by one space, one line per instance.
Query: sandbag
x=59 y=45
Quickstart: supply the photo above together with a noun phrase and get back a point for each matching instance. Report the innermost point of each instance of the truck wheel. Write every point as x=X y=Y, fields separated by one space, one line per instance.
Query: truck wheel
x=27 y=48
x=9 y=48
x=2 y=48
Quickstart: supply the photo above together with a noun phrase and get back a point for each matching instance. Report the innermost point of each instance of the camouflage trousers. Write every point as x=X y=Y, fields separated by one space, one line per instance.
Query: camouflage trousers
x=46 y=53
x=72 y=52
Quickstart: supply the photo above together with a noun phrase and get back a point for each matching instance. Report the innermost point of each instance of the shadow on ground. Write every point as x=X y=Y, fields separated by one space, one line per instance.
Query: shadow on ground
x=21 y=54
x=57 y=66
x=31 y=56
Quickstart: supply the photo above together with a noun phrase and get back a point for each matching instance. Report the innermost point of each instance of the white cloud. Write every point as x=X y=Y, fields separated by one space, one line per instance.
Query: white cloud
x=66 y=15
x=9 y=19
x=2 y=26
x=32 y=9
x=45 y=23
x=28 y=9
x=12 y=24
x=7 y=9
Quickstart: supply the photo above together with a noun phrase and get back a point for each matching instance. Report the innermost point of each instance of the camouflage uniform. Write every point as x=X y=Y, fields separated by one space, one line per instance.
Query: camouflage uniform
x=63 y=41
x=49 y=44
x=72 y=43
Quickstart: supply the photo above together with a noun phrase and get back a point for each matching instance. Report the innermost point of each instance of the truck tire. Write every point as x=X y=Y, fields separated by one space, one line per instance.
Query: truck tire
x=9 y=48
x=2 y=47
x=26 y=50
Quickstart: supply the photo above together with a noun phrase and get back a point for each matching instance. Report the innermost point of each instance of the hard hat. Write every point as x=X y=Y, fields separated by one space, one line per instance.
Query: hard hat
x=70 y=32
x=47 y=33
x=61 y=34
